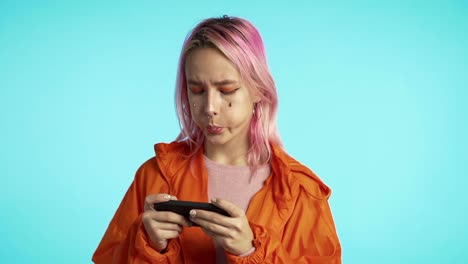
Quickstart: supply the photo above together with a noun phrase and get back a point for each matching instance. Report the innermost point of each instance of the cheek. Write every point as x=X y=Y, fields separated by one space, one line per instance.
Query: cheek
x=195 y=112
x=238 y=113
x=194 y=105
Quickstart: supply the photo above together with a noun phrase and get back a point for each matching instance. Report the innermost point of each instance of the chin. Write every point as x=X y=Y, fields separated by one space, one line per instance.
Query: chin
x=215 y=141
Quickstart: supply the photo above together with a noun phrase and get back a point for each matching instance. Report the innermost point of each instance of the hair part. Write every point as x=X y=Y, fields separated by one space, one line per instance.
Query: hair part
x=241 y=43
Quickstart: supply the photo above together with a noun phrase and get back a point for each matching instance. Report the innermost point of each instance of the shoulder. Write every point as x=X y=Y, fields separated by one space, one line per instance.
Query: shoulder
x=302 y=177
x=156 y=171
x=148 y=166
x=166 y=155
x=309 y=181
x=172 y=148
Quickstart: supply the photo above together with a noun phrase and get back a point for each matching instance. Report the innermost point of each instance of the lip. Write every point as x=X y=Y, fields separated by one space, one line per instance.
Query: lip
x=214 y=130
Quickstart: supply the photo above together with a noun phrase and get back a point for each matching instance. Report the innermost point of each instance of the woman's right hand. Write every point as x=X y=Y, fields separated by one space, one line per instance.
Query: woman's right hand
x=161 y=226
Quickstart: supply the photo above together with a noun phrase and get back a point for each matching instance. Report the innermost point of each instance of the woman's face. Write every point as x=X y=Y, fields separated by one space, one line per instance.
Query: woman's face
x=220 y=104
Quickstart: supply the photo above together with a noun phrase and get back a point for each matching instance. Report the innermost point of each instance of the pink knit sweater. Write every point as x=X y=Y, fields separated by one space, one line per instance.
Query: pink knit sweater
x=235 y=184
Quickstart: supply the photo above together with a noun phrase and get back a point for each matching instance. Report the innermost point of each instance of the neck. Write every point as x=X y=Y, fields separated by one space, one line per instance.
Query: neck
x=227 y=154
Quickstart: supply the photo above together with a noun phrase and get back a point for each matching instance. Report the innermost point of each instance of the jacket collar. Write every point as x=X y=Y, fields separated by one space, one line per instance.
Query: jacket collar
x=288 y=175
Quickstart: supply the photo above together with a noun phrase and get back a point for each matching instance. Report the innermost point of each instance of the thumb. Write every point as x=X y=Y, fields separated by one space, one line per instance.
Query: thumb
x=151 y=199
x=232 y=209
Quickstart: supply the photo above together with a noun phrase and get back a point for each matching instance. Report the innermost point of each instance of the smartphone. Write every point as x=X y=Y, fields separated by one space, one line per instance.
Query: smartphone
x=183 y=207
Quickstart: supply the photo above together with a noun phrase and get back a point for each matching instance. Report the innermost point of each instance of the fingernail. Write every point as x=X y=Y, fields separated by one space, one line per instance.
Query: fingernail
x=193 y=213
x=167 y=197
x=213 y=200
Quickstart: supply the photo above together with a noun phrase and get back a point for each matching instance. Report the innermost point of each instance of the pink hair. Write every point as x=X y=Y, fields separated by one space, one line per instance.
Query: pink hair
x=242 y=44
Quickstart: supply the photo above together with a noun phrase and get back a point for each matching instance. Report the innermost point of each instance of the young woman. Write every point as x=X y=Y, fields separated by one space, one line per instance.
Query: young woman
x=228 y=153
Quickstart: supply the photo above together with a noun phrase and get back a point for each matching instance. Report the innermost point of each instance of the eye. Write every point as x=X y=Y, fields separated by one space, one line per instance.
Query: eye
x=227 y=90
x=196 y=89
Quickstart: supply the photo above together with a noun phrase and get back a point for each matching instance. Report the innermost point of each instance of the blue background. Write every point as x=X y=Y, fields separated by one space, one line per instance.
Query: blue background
x=373 y=98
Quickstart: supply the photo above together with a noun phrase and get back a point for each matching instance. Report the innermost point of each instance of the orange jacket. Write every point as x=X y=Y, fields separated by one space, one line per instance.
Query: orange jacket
x=290 y=216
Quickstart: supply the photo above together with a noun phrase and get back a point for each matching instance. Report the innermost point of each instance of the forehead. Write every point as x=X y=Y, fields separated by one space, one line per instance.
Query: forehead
x=209 y=64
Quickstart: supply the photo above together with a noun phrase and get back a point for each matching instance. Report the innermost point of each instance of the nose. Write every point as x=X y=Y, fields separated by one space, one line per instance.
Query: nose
x=211 y=103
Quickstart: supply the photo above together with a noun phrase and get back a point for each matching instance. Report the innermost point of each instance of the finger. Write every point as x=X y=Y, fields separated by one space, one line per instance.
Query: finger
x=166 y=217
x=171 y=217
x=213 y=235
x=213 y=229
x=232 y=209
x=166 y=226
x=214 y=222
x=166 y=234
x=211 y=217
x=150 y=200
x=159 y=197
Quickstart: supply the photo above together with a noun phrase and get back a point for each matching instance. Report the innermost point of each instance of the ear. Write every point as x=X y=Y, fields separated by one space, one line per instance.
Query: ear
x=256 y=98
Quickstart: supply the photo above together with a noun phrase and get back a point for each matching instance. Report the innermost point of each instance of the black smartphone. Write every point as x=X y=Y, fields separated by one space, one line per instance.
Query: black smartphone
x=183 y=207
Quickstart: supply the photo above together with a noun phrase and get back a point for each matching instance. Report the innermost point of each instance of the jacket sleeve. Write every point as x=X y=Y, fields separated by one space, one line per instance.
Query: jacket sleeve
x=125 y=240
x=309 y=236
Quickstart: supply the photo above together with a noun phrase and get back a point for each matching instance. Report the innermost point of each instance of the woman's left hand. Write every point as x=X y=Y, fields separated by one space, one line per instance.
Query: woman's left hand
x=232 y=233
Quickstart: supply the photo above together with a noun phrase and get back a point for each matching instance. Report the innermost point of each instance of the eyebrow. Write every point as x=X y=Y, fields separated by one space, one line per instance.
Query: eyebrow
x=217 y=83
